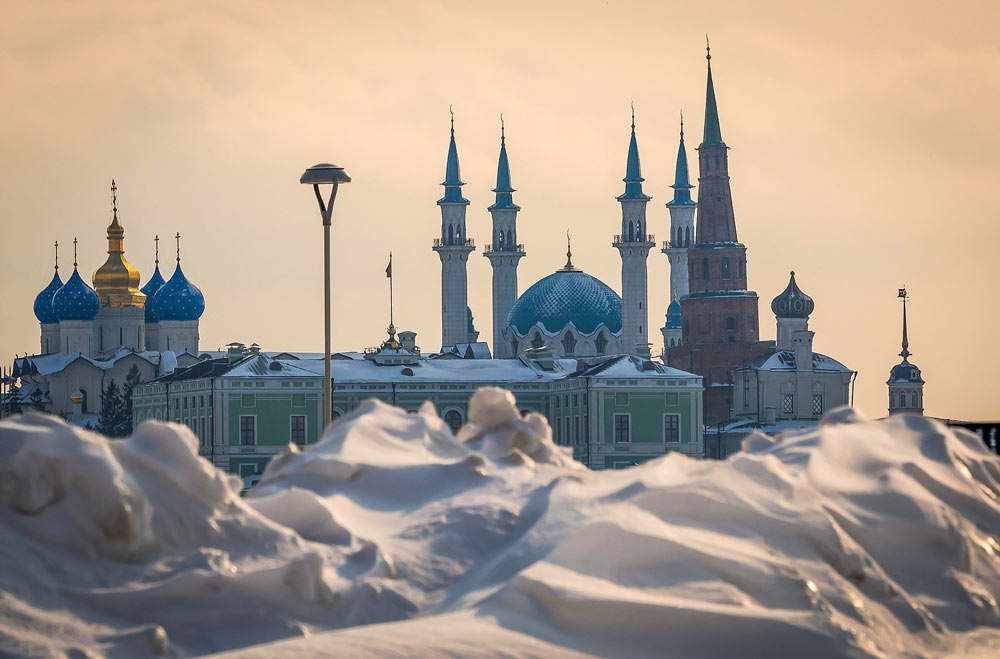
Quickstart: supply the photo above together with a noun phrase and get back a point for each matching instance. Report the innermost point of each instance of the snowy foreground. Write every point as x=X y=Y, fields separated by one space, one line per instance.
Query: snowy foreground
x=392 y=538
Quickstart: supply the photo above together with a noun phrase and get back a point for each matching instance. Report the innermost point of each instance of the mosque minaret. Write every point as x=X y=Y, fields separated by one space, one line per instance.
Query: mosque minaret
x=504 y=253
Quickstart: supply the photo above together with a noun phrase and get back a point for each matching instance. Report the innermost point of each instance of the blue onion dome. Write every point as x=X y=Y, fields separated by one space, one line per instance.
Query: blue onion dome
x=178 y=299
x=792 y=302
x=674 y=315
x=567 y=297
x=149 y=290
x=43 y=301
x=75 y=300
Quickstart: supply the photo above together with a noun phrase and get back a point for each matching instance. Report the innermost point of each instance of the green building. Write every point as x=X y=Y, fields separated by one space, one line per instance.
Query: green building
x=245 y=408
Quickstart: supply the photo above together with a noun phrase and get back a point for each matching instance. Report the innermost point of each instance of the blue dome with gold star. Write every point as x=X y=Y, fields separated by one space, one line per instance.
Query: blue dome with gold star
x=674 y=315
x=154 y=284
x=178 y=299
x=43 y=301
x=567 y=297
x=75 y=300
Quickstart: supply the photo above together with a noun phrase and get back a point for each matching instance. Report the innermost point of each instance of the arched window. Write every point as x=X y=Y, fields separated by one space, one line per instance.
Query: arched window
x=538 y=341
x=687 y=236
x=458 y=234
x=454 y=419
x=451 y=234
x=725 y=267
x=500 y=242
x=678 y=241
x=569 y=343
x=601 y=343
x=704 y=269
x=631 y=231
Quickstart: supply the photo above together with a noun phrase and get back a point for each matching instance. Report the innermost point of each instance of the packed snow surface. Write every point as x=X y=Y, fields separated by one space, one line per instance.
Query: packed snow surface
x=391 y=537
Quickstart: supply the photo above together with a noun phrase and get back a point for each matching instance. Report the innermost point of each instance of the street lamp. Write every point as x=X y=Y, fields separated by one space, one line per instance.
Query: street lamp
x=316 y=176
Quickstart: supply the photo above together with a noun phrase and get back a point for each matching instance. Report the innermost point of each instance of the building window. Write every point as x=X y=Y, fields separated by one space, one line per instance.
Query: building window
x=787 y=404
x=558 y=430
x=622 y=431
x=248 y=430
x=731 y=323
x=672 y=428
x=704 y=269
x=576 y=430
x=817 y=403
x=569 y=343
x=586 y=428
x=725 y=267
x=454 y=419
x=297 y=424
x=204 y=435
x=601 y=343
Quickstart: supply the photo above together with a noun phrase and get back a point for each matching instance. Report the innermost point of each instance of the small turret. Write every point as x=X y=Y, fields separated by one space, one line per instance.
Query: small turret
x=906 y=385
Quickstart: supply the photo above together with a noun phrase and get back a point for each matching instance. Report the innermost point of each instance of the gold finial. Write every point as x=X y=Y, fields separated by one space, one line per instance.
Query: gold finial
x=178 y=238
x=633 y=117
x=57 y=256
x=156 y=249
x=708 y=51
x=74 y=252
x=501 y=129
x=452 y=112
x=569 y=255
x=114 y=198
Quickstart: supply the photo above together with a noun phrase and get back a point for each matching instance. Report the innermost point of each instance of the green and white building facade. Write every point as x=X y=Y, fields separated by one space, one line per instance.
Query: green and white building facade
x=615 y=412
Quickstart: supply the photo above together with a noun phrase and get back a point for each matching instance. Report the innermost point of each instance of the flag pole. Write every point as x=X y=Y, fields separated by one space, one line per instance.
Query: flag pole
x=390 y=288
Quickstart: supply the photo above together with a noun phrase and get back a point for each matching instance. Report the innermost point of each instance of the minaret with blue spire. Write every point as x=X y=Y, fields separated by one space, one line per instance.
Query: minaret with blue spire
x=634 y=244
x=682 y=232
x=454 y=247
x=504 y=252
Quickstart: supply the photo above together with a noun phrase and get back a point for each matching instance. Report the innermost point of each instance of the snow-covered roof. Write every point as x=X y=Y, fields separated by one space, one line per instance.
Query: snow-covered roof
x=784 y=360
x=56 y=362
x=632 y=366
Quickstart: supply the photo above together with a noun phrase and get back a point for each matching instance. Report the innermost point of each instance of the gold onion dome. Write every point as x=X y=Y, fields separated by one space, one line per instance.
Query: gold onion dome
x=117 y=282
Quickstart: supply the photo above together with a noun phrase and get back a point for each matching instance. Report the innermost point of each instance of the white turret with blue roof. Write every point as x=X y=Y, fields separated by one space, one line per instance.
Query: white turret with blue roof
x=682 y=209
x=177 y=306
x=504 y=252
x=634 y=244
x=154 y=284
x=453 y=247
x=569 y=312
x=45 y=314
x=75 y=304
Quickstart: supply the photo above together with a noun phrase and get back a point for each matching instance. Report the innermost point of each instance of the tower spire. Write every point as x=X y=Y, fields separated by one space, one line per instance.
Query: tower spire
x=682 y=185
x=633 y=172
x=569 y=267
x=57 y=256
x=713 y=133
x=74 y=252
x=905 y=353
x=178 y=238
x=156 y=249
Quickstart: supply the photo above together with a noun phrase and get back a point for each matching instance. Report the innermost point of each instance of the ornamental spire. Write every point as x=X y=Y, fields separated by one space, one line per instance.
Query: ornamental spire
x=452 y=176
x=57 y=256
x=569 y=267
x=682 y=184
x=178 y=239
x=905 y=353
x=74 y=252
x=713 y=133
x=633 y=173
x=503 y=191
x=156 y=249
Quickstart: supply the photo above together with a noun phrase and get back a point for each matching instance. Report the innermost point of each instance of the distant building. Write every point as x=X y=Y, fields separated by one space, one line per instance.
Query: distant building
x=614 y=412
x=906 y=386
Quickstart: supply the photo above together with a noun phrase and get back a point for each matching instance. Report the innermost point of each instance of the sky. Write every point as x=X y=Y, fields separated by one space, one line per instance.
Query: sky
x=864 y=156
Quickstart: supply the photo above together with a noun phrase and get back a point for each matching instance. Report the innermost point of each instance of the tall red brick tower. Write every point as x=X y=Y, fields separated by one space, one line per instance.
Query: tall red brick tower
x=720 y=325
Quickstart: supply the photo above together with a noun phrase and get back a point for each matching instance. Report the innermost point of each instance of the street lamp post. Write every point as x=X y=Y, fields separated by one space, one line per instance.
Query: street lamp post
x=316 y=176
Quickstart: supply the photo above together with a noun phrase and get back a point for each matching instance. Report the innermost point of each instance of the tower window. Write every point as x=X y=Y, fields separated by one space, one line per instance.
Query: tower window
x=725 y=267
x=451 y=234
x=704 y=269
x=687 y=236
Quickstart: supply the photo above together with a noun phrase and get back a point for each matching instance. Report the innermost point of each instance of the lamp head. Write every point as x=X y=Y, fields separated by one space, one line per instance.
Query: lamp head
x=325 y=173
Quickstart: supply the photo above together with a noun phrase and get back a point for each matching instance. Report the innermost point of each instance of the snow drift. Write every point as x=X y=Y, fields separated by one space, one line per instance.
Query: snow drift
x=391 y=537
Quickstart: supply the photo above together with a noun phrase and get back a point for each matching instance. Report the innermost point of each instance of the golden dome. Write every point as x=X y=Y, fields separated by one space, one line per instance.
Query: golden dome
x=117 y=282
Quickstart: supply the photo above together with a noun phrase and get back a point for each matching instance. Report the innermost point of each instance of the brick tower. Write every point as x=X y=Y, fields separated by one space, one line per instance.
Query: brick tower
x=719 y=314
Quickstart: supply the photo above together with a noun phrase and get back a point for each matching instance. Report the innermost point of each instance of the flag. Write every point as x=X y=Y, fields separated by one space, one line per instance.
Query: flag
x=388 y=268
x=902 y=292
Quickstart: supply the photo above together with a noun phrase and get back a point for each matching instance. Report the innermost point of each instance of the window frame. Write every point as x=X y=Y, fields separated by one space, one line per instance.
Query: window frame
x=787 y=404
x=291 y=429
x=676 y=429
x=628 y=427
x=241 y=430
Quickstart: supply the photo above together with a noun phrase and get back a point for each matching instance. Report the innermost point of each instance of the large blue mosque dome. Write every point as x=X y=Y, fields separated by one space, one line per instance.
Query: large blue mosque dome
x=43 y=301
x=565 y=297
x=154 y=284
x=76 y=300
x=178 y=299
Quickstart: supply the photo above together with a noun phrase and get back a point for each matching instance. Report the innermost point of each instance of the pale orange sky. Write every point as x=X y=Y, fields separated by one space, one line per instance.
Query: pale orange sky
x=864 y=157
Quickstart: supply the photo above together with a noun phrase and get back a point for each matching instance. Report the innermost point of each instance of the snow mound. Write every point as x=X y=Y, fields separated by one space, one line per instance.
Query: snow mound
x=392 y=537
